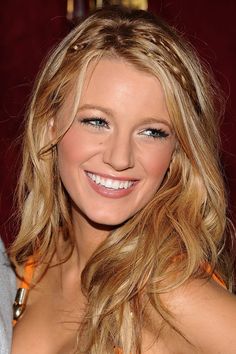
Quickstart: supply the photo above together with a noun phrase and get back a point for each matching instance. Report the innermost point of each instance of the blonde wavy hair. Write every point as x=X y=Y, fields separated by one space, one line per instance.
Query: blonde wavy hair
x=179 y=231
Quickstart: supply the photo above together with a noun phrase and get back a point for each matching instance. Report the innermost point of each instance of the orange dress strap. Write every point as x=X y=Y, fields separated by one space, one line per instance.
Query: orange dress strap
x=22 y=292
x=27 y=274
x=214 y=276
x=208 y=269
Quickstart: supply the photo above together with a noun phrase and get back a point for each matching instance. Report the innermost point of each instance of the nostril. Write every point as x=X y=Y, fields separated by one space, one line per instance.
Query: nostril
x=119 y=153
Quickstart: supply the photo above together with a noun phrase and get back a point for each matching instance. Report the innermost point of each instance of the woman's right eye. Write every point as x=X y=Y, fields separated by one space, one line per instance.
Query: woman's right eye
x=95 y=122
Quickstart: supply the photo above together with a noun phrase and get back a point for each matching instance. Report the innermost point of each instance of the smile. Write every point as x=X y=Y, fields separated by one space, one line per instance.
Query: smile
x=110 y=183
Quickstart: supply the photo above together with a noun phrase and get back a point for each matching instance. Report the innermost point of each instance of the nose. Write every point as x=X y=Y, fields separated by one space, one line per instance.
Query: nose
x=118 y=152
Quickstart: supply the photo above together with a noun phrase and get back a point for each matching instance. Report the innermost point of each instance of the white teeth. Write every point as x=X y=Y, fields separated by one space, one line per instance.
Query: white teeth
x=126 y=185
x=110 y=183
x=116 y=185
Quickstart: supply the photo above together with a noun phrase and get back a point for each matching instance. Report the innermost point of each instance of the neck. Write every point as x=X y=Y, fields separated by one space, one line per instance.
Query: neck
x=88 y=236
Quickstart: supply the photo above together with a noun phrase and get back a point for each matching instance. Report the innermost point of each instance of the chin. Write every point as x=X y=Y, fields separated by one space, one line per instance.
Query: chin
x=98 y=218
x=108 y=220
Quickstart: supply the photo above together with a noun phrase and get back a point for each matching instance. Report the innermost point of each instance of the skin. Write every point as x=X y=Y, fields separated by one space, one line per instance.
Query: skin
x=122 y=147
x=128 y=135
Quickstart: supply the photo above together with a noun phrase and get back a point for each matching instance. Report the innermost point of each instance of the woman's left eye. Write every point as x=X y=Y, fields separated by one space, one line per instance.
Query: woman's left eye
x=95 y=122
x=155 y=133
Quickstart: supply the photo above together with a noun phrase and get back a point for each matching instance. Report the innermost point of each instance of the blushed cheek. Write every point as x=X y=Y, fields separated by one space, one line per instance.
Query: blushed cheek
x=156 y=166
x=75 y=147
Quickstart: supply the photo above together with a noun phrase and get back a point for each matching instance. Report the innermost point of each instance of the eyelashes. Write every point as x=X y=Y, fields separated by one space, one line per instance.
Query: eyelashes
x=155 y=133
x=97 y=123
x=101 y=123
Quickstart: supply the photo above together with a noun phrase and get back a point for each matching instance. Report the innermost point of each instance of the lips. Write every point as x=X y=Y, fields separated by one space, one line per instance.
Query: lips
x=111 y=187
x=110 y=182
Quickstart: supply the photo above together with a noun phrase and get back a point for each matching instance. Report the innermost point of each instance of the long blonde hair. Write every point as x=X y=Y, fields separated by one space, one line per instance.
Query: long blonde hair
x=179 y=231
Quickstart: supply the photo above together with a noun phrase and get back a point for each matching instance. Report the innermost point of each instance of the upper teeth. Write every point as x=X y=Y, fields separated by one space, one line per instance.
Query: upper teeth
x=110 y=183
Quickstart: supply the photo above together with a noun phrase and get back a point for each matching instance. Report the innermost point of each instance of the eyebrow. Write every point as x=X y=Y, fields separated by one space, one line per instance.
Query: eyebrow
x=109 y=112
x=157 y=120
x=98 y=108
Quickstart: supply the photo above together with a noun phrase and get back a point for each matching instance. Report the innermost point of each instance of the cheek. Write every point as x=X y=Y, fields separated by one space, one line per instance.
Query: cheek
x=74 y=147
x=157 y=163
x=67 y=151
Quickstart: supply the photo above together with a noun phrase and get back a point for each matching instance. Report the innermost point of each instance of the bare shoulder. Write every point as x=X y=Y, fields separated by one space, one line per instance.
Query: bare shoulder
x=205 y=313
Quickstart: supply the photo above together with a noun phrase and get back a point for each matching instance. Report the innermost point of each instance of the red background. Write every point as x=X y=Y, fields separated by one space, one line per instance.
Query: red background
x=29 y=29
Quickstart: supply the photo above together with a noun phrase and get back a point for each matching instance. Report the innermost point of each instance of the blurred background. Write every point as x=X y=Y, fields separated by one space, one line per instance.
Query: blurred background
x=30 y=29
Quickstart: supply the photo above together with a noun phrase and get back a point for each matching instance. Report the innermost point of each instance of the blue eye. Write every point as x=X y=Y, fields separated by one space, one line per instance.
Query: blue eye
x=155 y=133
x=95 y=122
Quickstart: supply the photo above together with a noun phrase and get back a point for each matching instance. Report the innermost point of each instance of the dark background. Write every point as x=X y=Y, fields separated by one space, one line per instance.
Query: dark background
x=29 y=29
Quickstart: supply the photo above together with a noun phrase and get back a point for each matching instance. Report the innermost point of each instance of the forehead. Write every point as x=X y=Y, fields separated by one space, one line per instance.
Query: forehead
x=117 y=83
x=118 y=73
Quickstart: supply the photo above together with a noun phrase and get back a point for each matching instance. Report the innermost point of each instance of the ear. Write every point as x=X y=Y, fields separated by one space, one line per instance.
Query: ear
x=51 y=129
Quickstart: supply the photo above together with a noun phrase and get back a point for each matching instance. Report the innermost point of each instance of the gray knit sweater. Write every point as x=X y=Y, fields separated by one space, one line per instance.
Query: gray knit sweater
x=7 y=294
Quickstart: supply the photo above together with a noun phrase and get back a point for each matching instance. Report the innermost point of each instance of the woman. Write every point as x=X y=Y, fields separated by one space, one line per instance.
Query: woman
x=123 y=207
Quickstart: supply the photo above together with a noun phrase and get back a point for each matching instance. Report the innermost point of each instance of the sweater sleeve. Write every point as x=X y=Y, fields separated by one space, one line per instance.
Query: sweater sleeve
x=7 y=295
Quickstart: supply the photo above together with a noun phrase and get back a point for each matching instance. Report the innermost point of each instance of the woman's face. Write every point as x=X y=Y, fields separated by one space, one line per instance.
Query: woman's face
x=115 y=155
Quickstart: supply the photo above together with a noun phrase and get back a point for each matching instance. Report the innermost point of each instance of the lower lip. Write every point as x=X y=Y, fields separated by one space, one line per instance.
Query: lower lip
x=108 y=192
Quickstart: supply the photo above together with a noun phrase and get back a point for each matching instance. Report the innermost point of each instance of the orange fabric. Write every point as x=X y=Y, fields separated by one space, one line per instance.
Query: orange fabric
x=214 y=276
x=27 y=274
x=26 y=279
